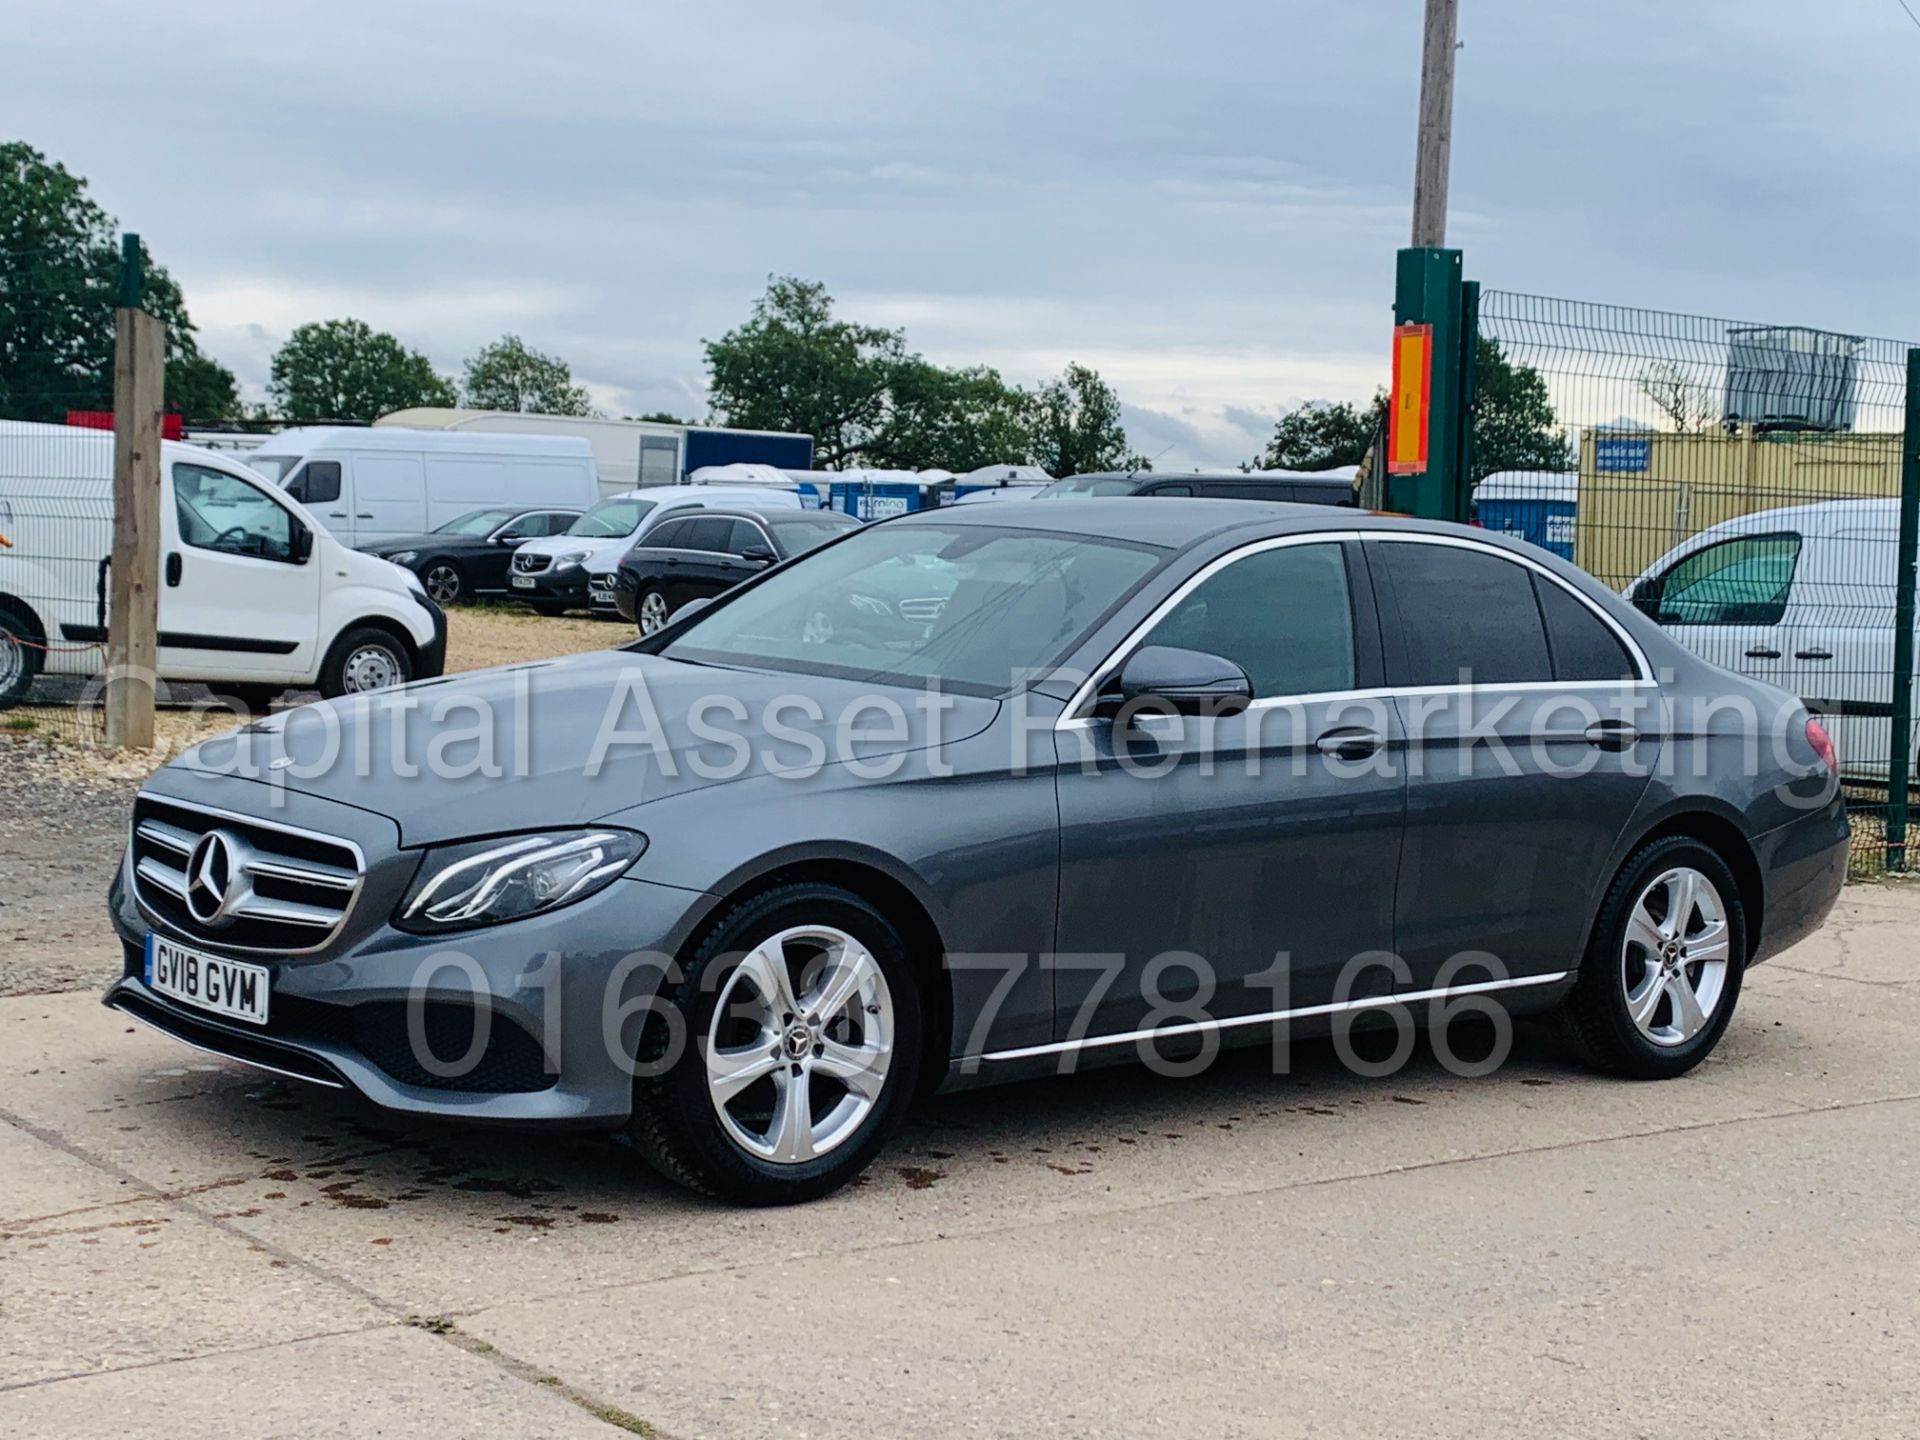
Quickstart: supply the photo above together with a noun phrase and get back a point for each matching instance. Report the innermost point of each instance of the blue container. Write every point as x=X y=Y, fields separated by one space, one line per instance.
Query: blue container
x=1538 y=506
x=875 y=498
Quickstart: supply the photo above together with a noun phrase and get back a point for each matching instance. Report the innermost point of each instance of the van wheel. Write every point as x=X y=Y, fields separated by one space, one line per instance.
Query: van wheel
x=21 y=655
x=1657 y=987
x=445 y=582
x=786 y=1053
x=364 y=659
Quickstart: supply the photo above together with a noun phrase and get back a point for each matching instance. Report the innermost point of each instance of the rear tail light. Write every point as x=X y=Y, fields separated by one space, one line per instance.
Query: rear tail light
x=1822 y=744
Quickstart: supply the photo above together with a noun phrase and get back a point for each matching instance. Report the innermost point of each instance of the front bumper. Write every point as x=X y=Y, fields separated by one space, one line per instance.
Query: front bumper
x=431 y=660
x=559 y=587
x=561 y=995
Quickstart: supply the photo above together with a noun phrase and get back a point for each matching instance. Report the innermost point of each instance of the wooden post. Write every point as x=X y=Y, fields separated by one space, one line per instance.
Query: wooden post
x=133 y=611
x=1433 y=151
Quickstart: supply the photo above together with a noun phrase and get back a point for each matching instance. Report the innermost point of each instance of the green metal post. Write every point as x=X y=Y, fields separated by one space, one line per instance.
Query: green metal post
x=1469 y=373
x=1427 y=291
x=132 y=273
x=1900 y=756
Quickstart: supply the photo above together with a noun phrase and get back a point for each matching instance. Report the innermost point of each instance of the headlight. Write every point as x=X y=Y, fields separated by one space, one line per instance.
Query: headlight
x=567 y=562
x=487 y=882
x=404 y=557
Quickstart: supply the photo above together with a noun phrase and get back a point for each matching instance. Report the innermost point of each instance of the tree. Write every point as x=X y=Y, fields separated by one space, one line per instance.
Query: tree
x=952 y=419
x=1514 y=427
x=1322 y=434
x=793 y=366
x=506 y=375
x=59 y=284
x=346 y=370
x=1690 y=407
x=661 y=417
x=1076 y=426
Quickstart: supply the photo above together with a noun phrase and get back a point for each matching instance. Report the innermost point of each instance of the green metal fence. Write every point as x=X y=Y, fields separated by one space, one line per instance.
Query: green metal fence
x=1751 y=486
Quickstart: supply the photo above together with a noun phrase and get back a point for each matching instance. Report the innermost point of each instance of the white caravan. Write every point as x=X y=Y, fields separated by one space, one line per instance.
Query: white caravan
x=1801 y=597
x=369 y=485
x=255 y=595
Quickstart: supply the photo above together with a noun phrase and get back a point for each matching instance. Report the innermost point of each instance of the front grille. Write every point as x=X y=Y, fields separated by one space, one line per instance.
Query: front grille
x=240 y=883
x=525 y=564
x=923 y=610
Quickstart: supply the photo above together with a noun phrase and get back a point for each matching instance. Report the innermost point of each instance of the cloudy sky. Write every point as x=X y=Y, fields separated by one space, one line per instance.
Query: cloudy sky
x=1202 y=200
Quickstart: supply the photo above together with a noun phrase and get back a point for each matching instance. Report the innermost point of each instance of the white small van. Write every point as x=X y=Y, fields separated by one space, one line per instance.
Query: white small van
x=1800 y=597
x=256 y=596
x=575 y=570
x=369 y=485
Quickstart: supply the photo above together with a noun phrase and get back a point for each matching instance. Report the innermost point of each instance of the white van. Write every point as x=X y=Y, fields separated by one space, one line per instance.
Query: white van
x=369 y=485
x=1800 y=597
x=575 y=570
x=255 y=596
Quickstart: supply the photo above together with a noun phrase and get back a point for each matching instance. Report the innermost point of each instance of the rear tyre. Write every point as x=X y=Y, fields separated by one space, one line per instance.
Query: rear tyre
x=650 y=610
x=362 y=660
x=790 y=1053
x=445 y=582
x=1659 y=982
x=22 y=653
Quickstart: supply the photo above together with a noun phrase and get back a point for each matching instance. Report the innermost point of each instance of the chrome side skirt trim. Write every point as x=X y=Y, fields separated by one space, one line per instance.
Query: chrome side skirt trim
x=1241 y=1022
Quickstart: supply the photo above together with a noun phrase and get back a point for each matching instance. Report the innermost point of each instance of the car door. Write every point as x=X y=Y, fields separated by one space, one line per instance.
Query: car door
x=1836 y=641
x=1237 y=840
x=486 y=565
x=1726 y=600
x=1531 y=731
x=709 y=565
x=239 y=591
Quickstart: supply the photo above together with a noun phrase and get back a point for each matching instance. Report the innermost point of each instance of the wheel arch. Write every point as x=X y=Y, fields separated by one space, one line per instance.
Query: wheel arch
x=24 y=609
x=1722 y=834
x=385 y=624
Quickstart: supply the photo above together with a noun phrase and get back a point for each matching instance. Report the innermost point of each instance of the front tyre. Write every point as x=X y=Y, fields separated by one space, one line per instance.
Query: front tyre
x=364 y=659
x=21 y=654
x=445 y=582
x=1659 y=982
x=800 y=1036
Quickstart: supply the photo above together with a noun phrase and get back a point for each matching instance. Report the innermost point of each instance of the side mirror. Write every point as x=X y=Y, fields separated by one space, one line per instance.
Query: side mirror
x=1646 y=598
x=1168 y=680
x=758 y=555
x=508 y=537
x=300 y=544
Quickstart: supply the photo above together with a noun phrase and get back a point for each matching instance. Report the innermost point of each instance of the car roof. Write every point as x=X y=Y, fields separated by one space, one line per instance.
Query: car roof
x=735 y=510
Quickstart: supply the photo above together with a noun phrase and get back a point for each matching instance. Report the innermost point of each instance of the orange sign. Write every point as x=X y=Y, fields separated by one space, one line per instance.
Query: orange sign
x=1407 y=414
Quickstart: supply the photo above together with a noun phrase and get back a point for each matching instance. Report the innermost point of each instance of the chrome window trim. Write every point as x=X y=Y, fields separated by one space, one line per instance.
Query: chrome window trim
x=1072 y=717
x=1241 y=1022
x=347 y=905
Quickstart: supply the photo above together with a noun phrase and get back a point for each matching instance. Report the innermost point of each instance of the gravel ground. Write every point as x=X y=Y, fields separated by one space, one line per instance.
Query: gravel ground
x=63 y=806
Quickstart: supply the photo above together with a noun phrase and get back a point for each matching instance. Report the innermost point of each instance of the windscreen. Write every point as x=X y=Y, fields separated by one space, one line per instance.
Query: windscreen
x=611 y=519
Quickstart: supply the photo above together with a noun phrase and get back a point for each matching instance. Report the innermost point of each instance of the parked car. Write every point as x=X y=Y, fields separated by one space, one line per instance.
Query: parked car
x=1802 y=598
x=255 y=596
x=469 y=555
x=1299 y=489
x=754 y=964
x=373 y=485
x=556 y=573
x=698 y=556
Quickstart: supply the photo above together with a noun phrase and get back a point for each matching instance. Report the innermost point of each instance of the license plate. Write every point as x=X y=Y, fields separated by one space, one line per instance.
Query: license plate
x=523 y=582
x=602 y=593
x=208 y=982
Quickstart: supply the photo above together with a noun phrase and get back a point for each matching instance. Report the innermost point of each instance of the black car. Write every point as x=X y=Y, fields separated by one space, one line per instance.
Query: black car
x=469 y=556
x=1226 y=485
x=698 y=556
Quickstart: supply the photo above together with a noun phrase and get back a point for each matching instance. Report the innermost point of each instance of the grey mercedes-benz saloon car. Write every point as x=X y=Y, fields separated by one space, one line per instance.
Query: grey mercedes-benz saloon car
x=974 y=794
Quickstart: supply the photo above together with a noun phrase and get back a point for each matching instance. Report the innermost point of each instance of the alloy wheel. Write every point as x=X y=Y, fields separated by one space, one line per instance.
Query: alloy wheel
x=13 y=661
x=800 y=1045
x=653 y=612
x=1673 y=962
x=443 y=584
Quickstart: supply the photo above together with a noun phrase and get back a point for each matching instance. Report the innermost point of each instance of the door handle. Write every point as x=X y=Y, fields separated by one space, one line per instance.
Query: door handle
x=363 y=515
x=1611 y=734
x=337 y=514
x=1814 y=654
x=672 y=561
x=1761 y=652
x=1349 y=744
x=173 y=567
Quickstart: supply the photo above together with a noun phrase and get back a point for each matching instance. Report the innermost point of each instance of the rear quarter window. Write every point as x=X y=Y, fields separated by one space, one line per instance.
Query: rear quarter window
x=1582 y=645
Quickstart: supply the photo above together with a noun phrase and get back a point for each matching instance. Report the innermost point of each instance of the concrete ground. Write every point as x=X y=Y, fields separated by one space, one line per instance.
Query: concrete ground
x=187 y=1248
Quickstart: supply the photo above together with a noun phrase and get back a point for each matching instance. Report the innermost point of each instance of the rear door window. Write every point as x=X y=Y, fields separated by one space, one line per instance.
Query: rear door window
x=708 y=532
x=1466 y=617
x=1584 y=647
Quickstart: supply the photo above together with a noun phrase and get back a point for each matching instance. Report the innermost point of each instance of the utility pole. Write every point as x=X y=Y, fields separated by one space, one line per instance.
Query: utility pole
x=139 y=368
x=1431 y=155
